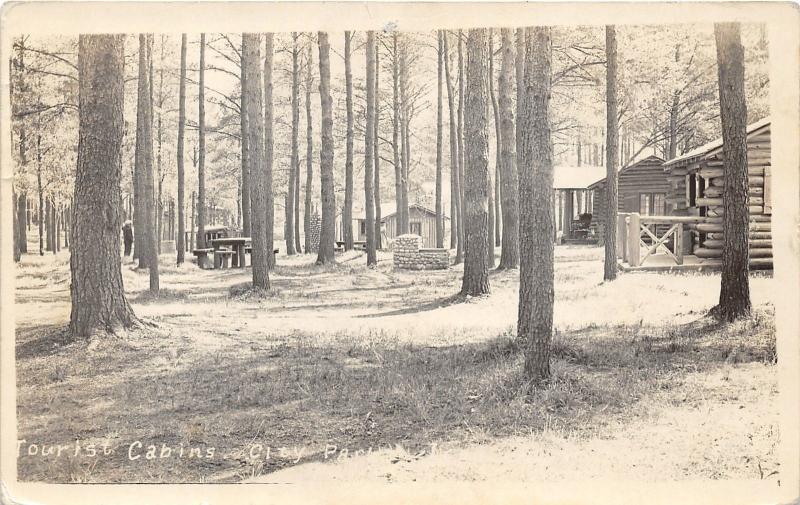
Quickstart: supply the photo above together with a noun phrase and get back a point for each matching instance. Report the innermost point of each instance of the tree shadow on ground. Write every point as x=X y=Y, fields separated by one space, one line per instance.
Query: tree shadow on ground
x=39 y=341
x=437 y=303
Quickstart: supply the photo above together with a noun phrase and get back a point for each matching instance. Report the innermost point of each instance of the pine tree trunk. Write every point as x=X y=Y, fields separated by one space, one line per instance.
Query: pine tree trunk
x=509 y=180
x=22 y=218
x=200 y=241
x=295 y=163
x=347 y=211
x=462 y=218
x=536 y=295
x=396 y=147
x=309 y=153
x=369 y=152
x=17 y=248
x=327 y=232
x=269 y=148
x=40 y=217
x=247 y=217
x=181 y=243
x=251 y=59
x=405 y=141
x=439 y=128
x=476 y=171
x=734 y=295
x=519 y=70
x=98 y=297
x=612 y=133
x=377 y=157
x=455 y=197
x=145 y=130
x=495 y=217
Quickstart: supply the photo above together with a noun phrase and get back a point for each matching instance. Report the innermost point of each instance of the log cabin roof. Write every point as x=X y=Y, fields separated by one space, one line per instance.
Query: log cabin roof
x=650 y=160
x=568 y=177
x=389 y=209
x=715 y=146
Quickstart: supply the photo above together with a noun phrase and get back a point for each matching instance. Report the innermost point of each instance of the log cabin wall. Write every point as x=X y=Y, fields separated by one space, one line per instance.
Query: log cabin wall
x=697 y=189
x=645 y=177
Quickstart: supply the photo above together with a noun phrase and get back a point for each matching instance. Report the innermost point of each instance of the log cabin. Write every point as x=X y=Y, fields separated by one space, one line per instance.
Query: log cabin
x=572 y=200
x=696 y=180
x=642 y=187
x=421 y=219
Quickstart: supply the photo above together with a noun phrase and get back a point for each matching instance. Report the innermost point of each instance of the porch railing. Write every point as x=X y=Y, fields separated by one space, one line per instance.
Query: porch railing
x=640 y=237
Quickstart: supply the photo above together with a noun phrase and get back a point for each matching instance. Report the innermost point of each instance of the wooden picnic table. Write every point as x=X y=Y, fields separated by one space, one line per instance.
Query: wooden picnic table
x=238 y=244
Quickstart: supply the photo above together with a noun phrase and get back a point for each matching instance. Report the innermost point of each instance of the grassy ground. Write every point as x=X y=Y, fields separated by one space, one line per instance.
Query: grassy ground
x=344 y=372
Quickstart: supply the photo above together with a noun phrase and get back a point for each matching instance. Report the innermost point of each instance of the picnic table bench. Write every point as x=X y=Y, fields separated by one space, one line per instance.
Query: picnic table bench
x=202 y=256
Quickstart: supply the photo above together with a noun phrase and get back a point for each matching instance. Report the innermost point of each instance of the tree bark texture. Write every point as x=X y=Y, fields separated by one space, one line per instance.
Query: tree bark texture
x=369 y=152
x=98 y=297
x=309 y=152
x=612 y=140
x=476 y=171
x=251 y=59
x=536 y=294
x=509 y=180
x=181 y=243
x=200 y=242
x=294 y=170
x=439 y=127
x=347 y=211
x=734 y=295
x=269 y=149
x=328 y=198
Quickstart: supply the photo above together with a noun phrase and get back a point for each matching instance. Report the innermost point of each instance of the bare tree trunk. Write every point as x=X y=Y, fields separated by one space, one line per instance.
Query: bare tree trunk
x=159 y=142
x=40 y=190
x=612 y=133
x=22 y=217
x=405 y=141
x=734 y=295
x=396 y=147
x=519 y=70
x=200 y=242
x=146 y=106
x=476 y=188
x=247 y=214
x=439 y=127
x=369 y=152
x=536 y=295
x=327 y=196
x=181 y=244
x=309 y=152
x=294 y=170
x=455 y=194
x=98 y=296
x=269 y=148
x=462 y=239
x=251 y=60
x=15 y=206
x=509 y=180
x=495 y=217
x=347 y=211
x=377 y=157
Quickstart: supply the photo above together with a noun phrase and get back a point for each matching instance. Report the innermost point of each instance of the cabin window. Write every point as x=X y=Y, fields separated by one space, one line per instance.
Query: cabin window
x=644 y=204
x=362 y=228
x=652 y=204
x=416 y=228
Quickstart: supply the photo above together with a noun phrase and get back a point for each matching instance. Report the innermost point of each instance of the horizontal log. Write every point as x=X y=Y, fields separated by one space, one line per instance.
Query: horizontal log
x=717 y=227
x=753 y=181
x=719 y=172
x=754 y=262
x=753 y=218
x=717 y=191
x=705 y=252
x=754 y=210
x=671 y=219
x=717 y=244
x=754 y=235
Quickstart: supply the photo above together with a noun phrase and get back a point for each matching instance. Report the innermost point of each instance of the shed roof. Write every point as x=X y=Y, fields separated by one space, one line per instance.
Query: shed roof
x=713 y=147
x=568 y=177
x=649 y=159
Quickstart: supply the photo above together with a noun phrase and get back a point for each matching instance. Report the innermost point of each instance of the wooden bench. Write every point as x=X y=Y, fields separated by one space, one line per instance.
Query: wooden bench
x=222 y=258
x=202 y=256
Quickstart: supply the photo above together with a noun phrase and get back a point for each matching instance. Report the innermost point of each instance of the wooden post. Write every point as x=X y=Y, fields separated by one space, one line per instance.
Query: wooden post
x=622 y=236
x=634 y=251
x=191 y=234
x=679 y=244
